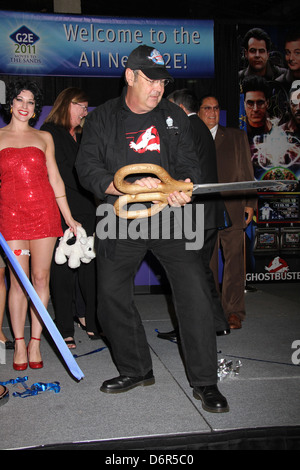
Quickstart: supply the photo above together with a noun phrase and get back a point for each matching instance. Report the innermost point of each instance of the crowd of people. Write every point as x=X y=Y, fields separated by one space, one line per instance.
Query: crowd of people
x=52 y=179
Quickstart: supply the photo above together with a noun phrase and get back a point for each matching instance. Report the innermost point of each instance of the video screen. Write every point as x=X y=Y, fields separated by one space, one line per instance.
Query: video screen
x=278 y=209
x=266 y=239
x=290 y=239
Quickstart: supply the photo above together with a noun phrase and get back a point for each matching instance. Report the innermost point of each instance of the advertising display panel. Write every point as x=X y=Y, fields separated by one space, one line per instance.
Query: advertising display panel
x=270 y=114
x=60 y=45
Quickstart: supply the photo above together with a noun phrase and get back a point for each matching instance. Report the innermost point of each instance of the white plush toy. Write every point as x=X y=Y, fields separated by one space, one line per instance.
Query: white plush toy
x=80 y=251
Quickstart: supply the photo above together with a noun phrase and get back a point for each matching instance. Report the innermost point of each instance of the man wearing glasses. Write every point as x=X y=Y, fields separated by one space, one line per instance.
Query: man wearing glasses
x=233 y=164
x=142 y=127
x=256 y=101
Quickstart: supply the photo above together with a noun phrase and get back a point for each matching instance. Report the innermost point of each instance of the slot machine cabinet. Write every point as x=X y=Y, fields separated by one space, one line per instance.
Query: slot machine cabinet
x=266 y=247
x=276 y=247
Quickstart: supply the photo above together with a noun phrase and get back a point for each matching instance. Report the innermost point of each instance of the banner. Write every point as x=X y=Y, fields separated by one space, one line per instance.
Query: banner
x=42 y=44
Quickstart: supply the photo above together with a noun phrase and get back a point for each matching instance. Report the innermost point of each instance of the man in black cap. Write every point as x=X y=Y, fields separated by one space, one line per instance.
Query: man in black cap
x=142 y=127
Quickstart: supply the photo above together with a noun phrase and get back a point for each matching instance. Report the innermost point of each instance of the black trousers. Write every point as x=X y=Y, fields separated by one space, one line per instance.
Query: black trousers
x=74 y=288
x=66 y=284
x=210 y=239
x=192 y=299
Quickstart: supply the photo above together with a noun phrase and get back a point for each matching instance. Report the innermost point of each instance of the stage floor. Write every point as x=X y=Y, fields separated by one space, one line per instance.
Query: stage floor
x=264 y=396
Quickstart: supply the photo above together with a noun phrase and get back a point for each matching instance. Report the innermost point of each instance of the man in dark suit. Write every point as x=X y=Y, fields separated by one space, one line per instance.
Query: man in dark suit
x=233 y=164
x=215 y=214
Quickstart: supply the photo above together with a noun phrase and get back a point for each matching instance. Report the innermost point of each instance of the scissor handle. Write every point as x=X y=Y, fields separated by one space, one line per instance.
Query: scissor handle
x=136 y=193
x=167 y=186
x=122 y=201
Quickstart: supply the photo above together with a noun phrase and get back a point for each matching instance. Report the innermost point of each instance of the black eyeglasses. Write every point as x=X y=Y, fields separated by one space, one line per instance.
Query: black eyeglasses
x=163 y=82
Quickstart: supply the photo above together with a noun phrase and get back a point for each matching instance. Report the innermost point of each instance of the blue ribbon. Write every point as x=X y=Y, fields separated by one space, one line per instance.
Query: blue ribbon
x=37 y=388
x=15 y=381
x=91 y=352
x=47 y=320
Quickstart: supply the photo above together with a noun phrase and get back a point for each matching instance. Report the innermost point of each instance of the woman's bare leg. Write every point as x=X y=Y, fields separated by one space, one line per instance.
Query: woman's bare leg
x=41 y=255
x=17 y=301
x=2 y=303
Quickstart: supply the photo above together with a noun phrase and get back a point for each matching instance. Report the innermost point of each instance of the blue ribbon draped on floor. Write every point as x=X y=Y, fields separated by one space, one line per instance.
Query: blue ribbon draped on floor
x=35 y=389
x=47 y=320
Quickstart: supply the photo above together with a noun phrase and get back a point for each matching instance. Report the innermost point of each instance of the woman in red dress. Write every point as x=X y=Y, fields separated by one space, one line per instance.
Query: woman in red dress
x=31 y=195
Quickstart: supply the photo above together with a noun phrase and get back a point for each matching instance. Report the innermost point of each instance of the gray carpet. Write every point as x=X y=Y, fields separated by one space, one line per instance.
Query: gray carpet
x=264 y=396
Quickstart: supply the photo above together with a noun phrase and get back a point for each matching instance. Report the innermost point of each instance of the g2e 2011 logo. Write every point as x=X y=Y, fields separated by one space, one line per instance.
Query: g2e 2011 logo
x=24 y=40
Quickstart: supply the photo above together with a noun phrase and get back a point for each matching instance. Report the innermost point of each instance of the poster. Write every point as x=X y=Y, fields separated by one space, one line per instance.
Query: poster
x=269 y=79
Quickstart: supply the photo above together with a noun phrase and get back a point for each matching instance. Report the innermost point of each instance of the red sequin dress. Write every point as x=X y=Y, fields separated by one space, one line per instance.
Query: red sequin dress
x=28 y=208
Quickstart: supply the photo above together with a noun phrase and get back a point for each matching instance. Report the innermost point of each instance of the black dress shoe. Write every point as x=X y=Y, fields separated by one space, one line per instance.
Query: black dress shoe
x=174 y=336
x=223 y=332
x=123 y=383
x=212 y=400
x=170 y=335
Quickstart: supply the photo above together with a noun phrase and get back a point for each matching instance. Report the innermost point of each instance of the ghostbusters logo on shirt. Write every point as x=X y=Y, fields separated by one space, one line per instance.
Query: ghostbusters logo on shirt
x=146 y=140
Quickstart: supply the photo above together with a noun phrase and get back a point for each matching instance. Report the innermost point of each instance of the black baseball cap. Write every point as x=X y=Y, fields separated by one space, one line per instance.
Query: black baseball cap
x=150 y=61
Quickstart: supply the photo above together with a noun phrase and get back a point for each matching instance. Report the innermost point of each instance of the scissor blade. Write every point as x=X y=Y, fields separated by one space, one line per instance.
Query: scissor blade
x=274 y=185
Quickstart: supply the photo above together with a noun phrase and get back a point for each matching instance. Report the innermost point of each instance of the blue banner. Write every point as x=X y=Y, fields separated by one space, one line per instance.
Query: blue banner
x=43 y=44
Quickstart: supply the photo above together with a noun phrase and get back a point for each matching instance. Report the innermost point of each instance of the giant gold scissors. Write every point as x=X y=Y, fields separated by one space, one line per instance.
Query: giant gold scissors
x=134 y=193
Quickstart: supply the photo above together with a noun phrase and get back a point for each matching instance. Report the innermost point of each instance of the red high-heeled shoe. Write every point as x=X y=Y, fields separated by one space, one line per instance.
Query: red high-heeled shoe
x=35 y=365
x=23 y=365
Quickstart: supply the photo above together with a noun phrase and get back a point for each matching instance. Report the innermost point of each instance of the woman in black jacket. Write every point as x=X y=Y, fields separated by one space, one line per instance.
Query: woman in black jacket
x=72 y=287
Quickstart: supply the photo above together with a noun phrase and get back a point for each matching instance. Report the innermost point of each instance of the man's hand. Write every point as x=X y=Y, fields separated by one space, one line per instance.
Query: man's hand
x=250 y=213
x=178 y=199
x=175 y=199
x=150 y=182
